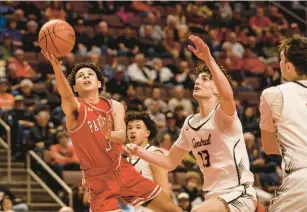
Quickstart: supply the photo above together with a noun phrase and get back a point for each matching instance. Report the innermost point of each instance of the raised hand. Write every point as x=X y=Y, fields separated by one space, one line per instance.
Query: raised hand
x=52 y=59
x=202 y=50
x=132 y=149
x=106 y=125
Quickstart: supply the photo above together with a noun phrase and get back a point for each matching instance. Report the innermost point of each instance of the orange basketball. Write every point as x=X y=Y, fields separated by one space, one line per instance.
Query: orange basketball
x=57 y=37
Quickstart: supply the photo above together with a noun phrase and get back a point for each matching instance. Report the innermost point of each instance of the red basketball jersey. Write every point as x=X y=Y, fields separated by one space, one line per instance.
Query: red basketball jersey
x=92 y=149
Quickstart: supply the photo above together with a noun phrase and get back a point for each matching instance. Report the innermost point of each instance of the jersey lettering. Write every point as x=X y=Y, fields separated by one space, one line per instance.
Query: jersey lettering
x=204 y=154
x=202 y=142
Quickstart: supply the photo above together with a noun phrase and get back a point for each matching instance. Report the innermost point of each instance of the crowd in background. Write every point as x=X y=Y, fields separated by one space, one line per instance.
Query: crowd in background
x=142 y=49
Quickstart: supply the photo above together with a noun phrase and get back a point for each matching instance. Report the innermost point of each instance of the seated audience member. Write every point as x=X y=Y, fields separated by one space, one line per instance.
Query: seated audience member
x=6 y=99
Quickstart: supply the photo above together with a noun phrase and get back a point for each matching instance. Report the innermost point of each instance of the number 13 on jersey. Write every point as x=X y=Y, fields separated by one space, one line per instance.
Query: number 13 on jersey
x=204 y=154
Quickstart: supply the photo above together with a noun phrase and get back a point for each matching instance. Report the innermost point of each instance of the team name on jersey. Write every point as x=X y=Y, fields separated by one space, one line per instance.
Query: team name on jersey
x=202 y=142
x=96 y=125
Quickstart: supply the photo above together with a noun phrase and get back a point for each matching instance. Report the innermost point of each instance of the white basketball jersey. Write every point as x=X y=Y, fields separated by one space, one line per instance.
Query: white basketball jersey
x=143 y=167
x=223 y=160
x=292 y=127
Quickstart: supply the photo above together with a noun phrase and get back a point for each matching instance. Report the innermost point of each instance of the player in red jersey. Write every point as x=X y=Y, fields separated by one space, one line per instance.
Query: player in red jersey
x=97 y=129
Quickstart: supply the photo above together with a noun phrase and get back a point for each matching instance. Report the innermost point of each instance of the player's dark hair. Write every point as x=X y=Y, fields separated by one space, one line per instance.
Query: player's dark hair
x=295 y=51
x=203 y=68
x=145 y=117
x=77 y=67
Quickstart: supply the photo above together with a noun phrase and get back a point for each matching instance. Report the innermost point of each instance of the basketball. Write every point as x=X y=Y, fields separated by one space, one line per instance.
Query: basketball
x=56 y=37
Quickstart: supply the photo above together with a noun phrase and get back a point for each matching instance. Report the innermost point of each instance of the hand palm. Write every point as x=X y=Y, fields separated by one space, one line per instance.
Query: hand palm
x=202 y=50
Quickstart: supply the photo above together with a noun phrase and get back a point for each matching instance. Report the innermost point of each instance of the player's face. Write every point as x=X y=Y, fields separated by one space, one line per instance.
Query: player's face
x=137 y=132
x=86 y=80
x=204 y=87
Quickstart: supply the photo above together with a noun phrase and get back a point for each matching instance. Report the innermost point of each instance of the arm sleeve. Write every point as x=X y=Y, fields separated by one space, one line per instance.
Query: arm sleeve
x=271 y=103
x=227 y=125
x=182 y=142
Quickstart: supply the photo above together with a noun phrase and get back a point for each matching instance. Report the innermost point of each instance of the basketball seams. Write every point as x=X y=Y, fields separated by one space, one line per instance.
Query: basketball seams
x=52 y=40
x=61 y=35
x=53 y=31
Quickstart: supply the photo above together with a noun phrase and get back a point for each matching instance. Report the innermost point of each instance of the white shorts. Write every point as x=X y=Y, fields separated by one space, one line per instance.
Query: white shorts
x=240 y=199
x=292 y=194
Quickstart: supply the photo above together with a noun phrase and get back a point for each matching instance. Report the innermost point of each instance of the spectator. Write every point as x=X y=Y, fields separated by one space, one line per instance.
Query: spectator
x=179 y=99
x=63 y=156
x=225 y=11
x=278 y=19
x=171 y=25
x=127 y=43
x=69 y=62
x=13 y=32
x=184 y=75
x=157 y=32
x=179 y=116
x=259 y=22
x=52 y=95
x=20 y=67
x=198 y=13
x=19 y=119
x=183 y=37
x=250 y=121
x=6 y=99
x=8 y=203
x=55 y=11
x=156 y=97
x=83 y=41
x=139 y=73
x=30 y=38
x=41 y=135
x=184 y=201
x=118 y=84
x=164 y=76
x=6 y=47
x=103 y=42
x=192 y=187
x=214 y=44
x=237 y=48
x=180 y=15
x=30 y=10
x=155 y=113
x=150 y=45
x=171 y=127
x=26 y=90
x=19 y=17
x=166 y=143
x=170 y=45
x=133 y=102
x=270 y=78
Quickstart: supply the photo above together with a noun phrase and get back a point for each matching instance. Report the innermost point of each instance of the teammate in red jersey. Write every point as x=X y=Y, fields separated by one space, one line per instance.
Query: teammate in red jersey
x=97 y=129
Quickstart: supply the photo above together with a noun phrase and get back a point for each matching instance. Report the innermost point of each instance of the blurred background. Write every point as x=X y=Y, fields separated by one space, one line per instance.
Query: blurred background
x=141 y=46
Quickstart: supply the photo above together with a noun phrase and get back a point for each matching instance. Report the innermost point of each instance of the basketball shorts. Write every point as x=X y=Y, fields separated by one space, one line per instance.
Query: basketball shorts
x=292 y=194
x=125 y=182
x=240 y=199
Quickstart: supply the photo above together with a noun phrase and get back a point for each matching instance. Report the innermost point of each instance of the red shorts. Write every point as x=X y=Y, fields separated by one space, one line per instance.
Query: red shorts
x=125 y=182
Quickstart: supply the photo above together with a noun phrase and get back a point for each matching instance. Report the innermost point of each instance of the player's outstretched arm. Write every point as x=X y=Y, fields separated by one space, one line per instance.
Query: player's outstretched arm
x=202 y=51
x=160 y=176
x=168 y=162
x=69 y=103
x=118 y=135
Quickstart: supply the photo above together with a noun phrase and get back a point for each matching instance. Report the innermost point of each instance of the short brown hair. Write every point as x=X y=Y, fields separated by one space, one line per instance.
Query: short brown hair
x=295 y=51
x=203 y=68
x=77 y=67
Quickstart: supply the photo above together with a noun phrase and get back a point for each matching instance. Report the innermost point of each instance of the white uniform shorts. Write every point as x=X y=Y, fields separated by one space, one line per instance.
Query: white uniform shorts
x=292 y=194
x=239 y=199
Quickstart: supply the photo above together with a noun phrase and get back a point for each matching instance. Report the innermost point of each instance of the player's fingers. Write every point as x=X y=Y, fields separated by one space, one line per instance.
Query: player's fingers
x=192 y=48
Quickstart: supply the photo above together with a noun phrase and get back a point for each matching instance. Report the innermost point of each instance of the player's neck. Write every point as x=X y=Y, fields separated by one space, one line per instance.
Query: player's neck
x=206 y=106
x=92 y=98
x=302 y=77
x=144 y=144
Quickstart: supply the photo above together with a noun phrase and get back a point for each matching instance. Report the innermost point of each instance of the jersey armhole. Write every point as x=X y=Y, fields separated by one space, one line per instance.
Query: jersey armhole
x=82 y=114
